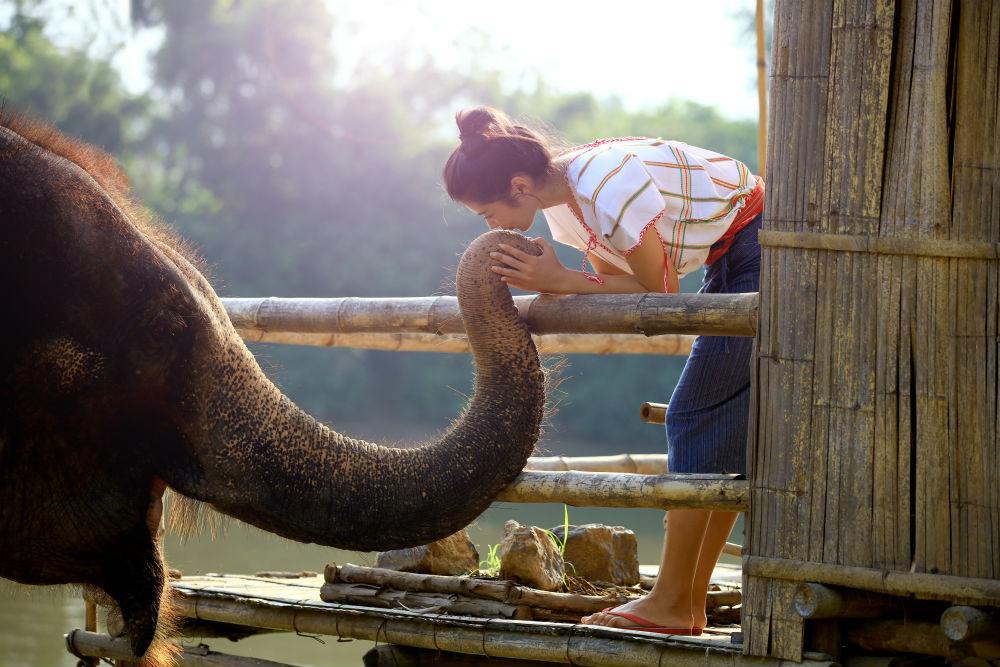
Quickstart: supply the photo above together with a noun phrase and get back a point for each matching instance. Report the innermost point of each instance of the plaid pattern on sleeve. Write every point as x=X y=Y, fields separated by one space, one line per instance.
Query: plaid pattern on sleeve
x=690 y=194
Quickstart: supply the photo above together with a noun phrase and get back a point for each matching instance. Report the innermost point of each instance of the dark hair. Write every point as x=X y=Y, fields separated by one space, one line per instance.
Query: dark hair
x=493 y=149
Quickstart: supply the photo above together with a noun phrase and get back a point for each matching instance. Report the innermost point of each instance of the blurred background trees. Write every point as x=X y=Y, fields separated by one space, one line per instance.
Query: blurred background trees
x=295 y=179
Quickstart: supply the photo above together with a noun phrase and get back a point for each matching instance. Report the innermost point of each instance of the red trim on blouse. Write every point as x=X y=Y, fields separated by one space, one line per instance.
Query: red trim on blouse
x=753 y=205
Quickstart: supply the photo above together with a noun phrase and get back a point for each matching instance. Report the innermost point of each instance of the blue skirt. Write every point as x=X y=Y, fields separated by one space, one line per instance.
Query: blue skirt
x=709 y=411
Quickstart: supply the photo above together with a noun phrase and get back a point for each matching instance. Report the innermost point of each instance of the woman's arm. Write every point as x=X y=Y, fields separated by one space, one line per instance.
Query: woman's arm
x=544 y=273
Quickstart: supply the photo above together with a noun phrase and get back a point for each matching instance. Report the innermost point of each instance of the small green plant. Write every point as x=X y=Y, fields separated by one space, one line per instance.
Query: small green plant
x=491 y=566
x=561 y=543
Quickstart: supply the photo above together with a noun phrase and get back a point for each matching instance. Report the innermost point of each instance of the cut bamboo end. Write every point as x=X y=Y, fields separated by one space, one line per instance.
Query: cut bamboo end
x=816 y=601
x=967 y=624
x=653 y=413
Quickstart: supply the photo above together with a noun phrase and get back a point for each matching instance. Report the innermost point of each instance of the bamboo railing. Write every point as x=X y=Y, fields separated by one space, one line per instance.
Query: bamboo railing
x=634 y=315
x=600 y=489
x=679 y=344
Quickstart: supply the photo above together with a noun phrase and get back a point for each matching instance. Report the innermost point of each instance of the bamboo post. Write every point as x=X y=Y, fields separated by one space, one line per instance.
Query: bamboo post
x=646 y=314
x=90 y=611
x=664 y=491
x=761 y=89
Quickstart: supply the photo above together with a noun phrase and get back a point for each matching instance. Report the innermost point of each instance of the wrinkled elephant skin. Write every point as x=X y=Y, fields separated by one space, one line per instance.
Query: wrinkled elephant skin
x=121 y=374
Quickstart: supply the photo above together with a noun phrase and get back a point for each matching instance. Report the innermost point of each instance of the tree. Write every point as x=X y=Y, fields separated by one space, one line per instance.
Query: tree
x=81 y=95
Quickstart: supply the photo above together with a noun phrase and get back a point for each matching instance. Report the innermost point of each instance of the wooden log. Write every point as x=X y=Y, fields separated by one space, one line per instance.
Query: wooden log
x=648 y=314
x=664 y=491
x=653 y=413
x=917 y=584
x=818 y=601
x=421 y=601
x=679 y=344
x=94 y=645
x=394 y=655
x=592 y=646
x=966 y=624
x=640 y=464
x=897 y=636
x=502 y=591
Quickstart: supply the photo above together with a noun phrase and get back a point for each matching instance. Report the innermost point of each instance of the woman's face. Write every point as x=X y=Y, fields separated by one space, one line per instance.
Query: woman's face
x=516 y=215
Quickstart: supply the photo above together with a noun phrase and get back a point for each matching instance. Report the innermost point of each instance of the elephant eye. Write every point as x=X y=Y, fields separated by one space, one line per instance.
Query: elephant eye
x=167 y=324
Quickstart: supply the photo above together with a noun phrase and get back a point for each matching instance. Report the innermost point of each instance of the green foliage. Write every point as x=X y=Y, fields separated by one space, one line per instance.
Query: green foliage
x=82 y=96
x=293 y=185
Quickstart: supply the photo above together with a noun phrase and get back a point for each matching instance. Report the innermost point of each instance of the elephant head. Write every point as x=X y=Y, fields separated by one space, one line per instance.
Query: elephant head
x=121 y=374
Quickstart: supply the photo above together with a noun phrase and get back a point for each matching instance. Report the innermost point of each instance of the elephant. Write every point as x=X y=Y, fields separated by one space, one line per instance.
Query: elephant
x=122 y=376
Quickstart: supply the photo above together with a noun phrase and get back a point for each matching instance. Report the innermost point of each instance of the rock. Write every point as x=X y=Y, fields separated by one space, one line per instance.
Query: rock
x=601 y=553
x=529 y=556
x=452 y=555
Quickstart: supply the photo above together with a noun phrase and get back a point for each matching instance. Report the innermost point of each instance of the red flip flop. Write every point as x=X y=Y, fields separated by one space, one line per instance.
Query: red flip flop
x=645 y=626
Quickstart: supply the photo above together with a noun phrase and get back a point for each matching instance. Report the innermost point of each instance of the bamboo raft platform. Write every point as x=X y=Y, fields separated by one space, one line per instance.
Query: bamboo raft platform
x=238 y=606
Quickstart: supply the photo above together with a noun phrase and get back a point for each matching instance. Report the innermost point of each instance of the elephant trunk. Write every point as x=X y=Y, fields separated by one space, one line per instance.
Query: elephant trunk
x=276 y=467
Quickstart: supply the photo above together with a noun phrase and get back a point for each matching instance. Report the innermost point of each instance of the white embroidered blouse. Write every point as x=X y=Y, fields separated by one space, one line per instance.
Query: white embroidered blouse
x=689 y=195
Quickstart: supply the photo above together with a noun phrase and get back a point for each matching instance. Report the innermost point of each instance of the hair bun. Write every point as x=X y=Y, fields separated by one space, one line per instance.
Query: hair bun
x=472 y=143
x=475 y=129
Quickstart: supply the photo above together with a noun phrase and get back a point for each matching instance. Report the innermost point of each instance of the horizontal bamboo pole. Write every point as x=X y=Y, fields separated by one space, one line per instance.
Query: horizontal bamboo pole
x=648 y=314
x=880 y=245
x=641 y=464
x=679 y=344
x=897 y=636
x=94 y=645
x=596 y=489
x=813 y=600
x=594 y=646
x=919 y=584
x=653 y=413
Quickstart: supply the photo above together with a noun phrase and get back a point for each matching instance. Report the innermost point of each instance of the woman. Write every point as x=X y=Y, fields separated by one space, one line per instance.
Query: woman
x=645 y=212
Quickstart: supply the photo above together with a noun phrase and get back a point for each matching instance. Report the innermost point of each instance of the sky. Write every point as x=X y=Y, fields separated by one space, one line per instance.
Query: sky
x=644 y=52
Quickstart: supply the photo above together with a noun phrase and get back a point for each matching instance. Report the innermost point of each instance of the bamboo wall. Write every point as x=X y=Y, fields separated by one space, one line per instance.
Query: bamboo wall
x=874 y=439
